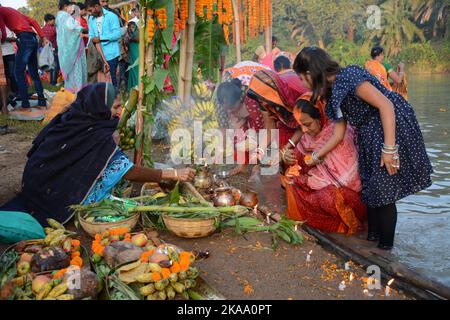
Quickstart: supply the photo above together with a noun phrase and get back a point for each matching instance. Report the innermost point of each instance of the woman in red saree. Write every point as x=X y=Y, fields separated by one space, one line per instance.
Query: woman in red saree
x=325 y=196
x=276 y=95
x=239 y=112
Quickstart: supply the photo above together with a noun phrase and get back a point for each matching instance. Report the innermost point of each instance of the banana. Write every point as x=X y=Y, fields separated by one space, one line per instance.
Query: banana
x=55 y=224
x=144 y=278
x=48 y=230
x=154 y=267
x=49 y=238
x=44 y=291
x=147 y=290
x=58 y=240
x=58 y=290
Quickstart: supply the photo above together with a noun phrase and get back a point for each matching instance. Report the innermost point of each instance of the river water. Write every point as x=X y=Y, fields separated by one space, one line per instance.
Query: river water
x=423 y=232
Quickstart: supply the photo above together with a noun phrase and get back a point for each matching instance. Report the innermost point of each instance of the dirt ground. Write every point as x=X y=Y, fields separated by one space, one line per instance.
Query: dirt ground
x=239 y=267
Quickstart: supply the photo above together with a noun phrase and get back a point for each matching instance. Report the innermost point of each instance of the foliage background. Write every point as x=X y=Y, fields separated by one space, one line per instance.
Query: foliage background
x=414 y=31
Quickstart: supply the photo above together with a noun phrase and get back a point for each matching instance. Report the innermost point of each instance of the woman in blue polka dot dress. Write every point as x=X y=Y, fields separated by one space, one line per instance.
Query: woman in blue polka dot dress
x=393 y=161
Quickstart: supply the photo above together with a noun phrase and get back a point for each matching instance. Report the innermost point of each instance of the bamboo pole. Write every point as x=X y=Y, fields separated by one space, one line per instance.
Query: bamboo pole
x=181 y=74
x=237 y=23
x=189 y=52
x=139 y=115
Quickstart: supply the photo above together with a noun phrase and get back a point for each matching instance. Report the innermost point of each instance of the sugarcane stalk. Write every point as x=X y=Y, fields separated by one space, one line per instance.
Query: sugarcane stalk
x=130 y=106
x=139 y=116
x=235 y=209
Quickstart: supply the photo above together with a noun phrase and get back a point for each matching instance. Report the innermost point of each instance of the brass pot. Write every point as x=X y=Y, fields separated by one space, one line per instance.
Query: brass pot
x=202 y=180
x=248 y=199
x=223 y=197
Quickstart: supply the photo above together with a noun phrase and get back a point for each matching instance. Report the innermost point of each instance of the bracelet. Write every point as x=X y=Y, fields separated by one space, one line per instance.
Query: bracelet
x=389 y=152
x=385 y=146
x=315 y=158
x=175 y=173
x=292 y=143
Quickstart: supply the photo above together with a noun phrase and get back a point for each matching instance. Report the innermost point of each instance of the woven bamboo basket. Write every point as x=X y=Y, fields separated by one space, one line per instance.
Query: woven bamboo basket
x=190 y=228
x=93 y=228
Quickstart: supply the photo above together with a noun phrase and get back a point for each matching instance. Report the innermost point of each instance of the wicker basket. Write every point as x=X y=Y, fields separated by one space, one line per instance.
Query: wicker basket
x=93 y=228
x=190 y=228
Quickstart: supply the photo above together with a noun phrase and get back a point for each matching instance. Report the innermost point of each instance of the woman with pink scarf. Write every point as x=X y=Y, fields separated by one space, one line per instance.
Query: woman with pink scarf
x=326 y=196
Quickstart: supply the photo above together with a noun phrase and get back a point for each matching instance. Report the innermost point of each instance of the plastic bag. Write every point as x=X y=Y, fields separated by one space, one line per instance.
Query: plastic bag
x=46 y=57
x=17 y=226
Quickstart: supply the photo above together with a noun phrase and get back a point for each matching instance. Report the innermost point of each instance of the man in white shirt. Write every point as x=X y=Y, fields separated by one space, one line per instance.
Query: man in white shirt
x=9 y=57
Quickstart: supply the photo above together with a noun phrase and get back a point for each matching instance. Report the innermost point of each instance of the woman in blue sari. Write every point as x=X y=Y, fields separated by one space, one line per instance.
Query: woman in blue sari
x=75 y=159
x=71 y=49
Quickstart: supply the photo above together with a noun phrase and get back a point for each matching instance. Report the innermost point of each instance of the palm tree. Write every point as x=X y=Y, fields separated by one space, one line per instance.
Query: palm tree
x=434 y=11
x=398 y=27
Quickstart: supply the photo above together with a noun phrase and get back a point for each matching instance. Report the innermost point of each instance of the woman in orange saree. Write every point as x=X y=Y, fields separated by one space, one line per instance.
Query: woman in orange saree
x=325 y=196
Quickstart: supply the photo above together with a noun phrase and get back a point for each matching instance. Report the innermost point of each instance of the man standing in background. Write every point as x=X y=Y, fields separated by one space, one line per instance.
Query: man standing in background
x=25 y=29
x=9 y=58
x=49 y=31
x=104 y=28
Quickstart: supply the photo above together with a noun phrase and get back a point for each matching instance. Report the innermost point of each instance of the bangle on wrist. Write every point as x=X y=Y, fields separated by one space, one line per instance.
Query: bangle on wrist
x=315 y=158
x=292 y=143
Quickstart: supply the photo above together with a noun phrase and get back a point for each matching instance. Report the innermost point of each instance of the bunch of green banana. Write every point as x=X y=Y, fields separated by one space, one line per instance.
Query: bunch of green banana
x=54 y=290
x=55 y=238
x=202 y=91
x=127 y=139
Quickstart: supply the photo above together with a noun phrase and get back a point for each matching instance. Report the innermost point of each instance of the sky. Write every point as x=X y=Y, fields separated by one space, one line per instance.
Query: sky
x=13 y=3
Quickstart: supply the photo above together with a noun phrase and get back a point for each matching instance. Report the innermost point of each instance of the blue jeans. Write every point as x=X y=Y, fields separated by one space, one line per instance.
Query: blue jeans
x=113 y=66
x=54 y=73
x=27 y=45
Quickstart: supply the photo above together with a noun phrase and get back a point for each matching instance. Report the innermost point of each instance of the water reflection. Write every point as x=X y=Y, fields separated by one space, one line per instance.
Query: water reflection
x=424 y=219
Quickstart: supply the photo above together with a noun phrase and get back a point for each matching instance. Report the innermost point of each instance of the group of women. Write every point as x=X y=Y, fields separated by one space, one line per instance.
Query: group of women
x=350 y=147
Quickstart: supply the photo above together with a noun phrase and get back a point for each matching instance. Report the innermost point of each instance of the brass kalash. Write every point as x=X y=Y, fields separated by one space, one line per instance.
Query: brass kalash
x=217 y=189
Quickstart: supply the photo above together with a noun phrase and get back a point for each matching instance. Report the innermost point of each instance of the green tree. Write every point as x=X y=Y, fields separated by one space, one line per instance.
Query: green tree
x=39 y=8
x=432 y=12
x=397 y=27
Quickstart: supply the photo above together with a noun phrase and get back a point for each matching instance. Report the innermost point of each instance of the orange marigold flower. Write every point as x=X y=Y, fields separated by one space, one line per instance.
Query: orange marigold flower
x=77 y=261
x=75 y=243
x=175 y=268
x=60 y=273
x=156 y=276
x=165 y=273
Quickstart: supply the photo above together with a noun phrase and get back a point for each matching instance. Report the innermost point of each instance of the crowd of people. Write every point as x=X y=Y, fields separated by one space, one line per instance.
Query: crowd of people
x=350 y=144
x=89 y=42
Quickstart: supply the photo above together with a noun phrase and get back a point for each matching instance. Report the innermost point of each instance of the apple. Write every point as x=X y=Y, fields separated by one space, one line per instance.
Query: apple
x=26 y=257
x=39 y=282
x=150 y=247
x=139 y=239
x=23 y=268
